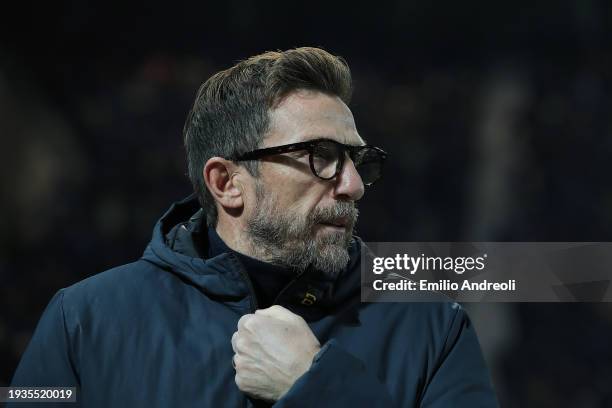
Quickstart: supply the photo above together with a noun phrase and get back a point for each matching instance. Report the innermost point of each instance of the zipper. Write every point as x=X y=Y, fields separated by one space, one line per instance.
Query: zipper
x=283 y=290
x=245 y=277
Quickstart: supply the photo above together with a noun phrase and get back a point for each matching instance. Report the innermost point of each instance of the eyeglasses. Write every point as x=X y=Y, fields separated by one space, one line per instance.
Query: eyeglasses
x=327 y=158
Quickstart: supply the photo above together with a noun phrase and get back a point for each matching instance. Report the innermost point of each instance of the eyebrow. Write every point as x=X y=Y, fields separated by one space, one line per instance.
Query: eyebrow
x=327 y=137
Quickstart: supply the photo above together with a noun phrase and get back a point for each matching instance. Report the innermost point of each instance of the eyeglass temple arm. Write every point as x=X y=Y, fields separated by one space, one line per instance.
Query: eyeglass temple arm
x=259 y=153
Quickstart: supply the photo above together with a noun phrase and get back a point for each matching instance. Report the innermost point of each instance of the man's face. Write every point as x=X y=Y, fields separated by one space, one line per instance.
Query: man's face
x=294 y=218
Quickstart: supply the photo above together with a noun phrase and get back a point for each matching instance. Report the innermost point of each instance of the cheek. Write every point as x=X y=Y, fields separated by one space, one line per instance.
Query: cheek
x=305 y=200
x=295 y=191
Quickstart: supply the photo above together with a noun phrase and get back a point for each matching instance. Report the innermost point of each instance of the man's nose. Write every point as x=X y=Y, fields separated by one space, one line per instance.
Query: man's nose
x=349 y=185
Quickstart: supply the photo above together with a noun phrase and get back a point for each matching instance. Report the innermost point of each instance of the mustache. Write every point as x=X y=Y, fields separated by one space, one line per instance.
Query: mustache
x=342 y=211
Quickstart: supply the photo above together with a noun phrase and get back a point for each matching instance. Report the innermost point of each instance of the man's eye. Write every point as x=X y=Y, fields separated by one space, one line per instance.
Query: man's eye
x=325 y=154
x=299 y=154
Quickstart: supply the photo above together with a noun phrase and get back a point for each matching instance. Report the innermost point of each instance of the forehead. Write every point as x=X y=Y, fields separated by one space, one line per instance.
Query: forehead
x=306 y=115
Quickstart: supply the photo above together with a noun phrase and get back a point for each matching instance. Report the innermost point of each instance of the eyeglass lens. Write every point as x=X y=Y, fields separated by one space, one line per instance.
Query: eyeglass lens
x=326 y=155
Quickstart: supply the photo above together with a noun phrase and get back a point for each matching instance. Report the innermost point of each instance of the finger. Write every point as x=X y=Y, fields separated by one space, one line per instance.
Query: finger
x=243 y=320
x=238 y=344
x=234 y=337
x=239 y=382
x=238 y=362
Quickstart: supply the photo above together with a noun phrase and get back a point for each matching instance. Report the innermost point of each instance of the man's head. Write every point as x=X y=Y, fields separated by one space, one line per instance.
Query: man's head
x=276 y=207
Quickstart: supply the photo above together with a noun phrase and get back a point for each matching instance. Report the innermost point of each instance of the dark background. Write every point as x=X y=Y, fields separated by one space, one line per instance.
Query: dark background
x=496 y=115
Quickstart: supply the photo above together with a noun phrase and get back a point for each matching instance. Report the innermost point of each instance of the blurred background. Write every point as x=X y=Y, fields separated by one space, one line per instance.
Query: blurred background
x=497 y=116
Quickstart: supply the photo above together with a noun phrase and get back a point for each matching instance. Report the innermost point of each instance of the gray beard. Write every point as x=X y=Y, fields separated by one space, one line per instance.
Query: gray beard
x=283 y=238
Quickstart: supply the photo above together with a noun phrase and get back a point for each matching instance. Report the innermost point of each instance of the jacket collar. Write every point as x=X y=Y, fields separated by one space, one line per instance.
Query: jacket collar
x=223 y=278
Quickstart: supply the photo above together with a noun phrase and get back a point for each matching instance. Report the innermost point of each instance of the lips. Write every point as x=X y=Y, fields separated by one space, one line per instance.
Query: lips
x=338 y=222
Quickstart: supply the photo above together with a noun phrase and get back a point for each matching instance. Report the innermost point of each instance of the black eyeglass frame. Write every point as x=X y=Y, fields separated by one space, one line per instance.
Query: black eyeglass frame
x=310 y=147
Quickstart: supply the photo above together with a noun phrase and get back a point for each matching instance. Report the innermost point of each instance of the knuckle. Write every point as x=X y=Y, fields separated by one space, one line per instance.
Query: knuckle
x=239 y=381
x=243 y=320
x=241 y=344
x=294 y=319
x=250 y=324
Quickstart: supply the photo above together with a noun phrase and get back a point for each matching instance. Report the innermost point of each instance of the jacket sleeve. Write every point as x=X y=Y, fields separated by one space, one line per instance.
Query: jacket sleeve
x=461 y=378
x=47 y=360
x=336 y=379
x=339 y=379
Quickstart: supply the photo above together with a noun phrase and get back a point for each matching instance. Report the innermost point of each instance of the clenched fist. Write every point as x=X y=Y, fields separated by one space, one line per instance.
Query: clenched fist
x=273 y=348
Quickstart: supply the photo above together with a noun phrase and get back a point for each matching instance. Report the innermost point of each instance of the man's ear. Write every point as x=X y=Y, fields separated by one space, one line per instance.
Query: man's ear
x=221 y=178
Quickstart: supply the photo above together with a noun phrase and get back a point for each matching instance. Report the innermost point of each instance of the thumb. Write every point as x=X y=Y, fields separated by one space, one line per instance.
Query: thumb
x=277 y=312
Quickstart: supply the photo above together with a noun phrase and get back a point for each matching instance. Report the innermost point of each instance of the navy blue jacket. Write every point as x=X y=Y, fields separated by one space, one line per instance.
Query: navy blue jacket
x=157 y=332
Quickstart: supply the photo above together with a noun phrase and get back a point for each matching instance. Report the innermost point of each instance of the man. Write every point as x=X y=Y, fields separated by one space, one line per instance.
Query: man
x=249 y=293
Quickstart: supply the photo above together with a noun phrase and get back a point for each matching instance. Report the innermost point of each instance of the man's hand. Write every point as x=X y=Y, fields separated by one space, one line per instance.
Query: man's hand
x=273 y=347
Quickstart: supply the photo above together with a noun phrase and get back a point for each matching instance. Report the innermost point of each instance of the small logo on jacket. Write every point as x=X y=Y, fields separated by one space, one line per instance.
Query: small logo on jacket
x=309 y=299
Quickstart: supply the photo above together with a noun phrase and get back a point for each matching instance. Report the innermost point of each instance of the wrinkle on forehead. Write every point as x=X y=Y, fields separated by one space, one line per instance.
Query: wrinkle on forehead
x=306 y=115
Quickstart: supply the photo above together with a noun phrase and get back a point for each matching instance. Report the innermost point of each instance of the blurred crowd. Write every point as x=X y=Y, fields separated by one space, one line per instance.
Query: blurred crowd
x=510 y=146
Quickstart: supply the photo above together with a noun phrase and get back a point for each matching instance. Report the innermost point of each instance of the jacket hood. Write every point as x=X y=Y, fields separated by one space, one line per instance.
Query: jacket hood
x=224 y=279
